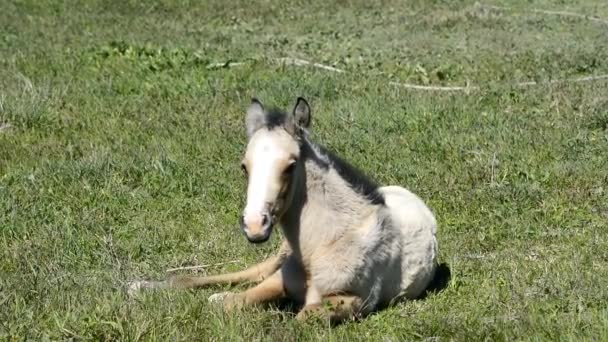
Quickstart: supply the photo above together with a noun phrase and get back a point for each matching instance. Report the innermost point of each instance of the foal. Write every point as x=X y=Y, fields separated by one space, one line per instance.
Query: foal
x=350 y=246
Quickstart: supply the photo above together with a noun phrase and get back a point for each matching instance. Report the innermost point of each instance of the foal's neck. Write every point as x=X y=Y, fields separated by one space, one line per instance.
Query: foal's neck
x=325 y=205
x=344 y=191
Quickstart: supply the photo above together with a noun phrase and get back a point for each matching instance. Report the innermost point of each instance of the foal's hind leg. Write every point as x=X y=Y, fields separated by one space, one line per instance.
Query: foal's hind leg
x=334 y=308
x=256 y=273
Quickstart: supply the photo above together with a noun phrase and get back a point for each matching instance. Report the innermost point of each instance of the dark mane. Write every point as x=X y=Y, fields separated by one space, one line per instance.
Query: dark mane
x=358 y=181
x=274 y=118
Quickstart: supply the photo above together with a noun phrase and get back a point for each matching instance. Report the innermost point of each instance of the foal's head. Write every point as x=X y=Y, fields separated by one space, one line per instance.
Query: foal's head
x=272 y=164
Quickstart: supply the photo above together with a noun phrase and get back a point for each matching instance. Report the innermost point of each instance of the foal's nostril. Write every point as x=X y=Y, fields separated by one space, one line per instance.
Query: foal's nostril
x=257 y=228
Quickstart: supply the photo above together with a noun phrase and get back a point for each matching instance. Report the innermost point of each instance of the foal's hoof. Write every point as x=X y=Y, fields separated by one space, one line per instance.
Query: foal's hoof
x=218 y=298
x=229 y=300
x=310 y=312
x=135 y=287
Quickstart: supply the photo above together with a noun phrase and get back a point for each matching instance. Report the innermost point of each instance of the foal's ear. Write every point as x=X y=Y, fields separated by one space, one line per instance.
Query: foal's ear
x=255 y=117
x=301 y=113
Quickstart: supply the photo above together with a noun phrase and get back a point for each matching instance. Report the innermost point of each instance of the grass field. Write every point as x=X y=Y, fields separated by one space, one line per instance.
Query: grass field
x=120 y=148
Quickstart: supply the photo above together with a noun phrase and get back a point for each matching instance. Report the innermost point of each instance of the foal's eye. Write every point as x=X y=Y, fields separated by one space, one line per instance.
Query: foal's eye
x=244 y=168
x=289 y=169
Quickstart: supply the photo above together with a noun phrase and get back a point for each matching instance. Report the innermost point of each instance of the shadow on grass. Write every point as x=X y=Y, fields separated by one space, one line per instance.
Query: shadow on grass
x=439 y=282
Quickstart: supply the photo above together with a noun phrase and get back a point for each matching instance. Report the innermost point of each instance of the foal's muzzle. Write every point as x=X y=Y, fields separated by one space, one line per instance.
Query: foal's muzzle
x=257 y=232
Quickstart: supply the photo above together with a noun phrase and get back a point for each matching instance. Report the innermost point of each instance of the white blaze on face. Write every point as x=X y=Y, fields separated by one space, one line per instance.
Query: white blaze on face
x=266 y=156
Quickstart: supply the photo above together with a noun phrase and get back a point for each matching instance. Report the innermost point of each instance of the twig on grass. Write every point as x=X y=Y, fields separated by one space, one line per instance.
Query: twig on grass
x=226 y=64
x=438 y=88
x=567 y=80
x=199 y=267
x=549 y=12
x=71 y=333
x=519 y=84
x=478 y=256
x=4 y=126
x=282 y=60
x=302 y=62
x=468 y=88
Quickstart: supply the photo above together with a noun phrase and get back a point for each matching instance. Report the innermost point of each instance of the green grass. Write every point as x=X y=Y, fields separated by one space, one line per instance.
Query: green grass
x=122 y=159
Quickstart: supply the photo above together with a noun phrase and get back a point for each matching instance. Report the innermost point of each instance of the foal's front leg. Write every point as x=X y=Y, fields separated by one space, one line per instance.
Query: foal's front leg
x=272 y=288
